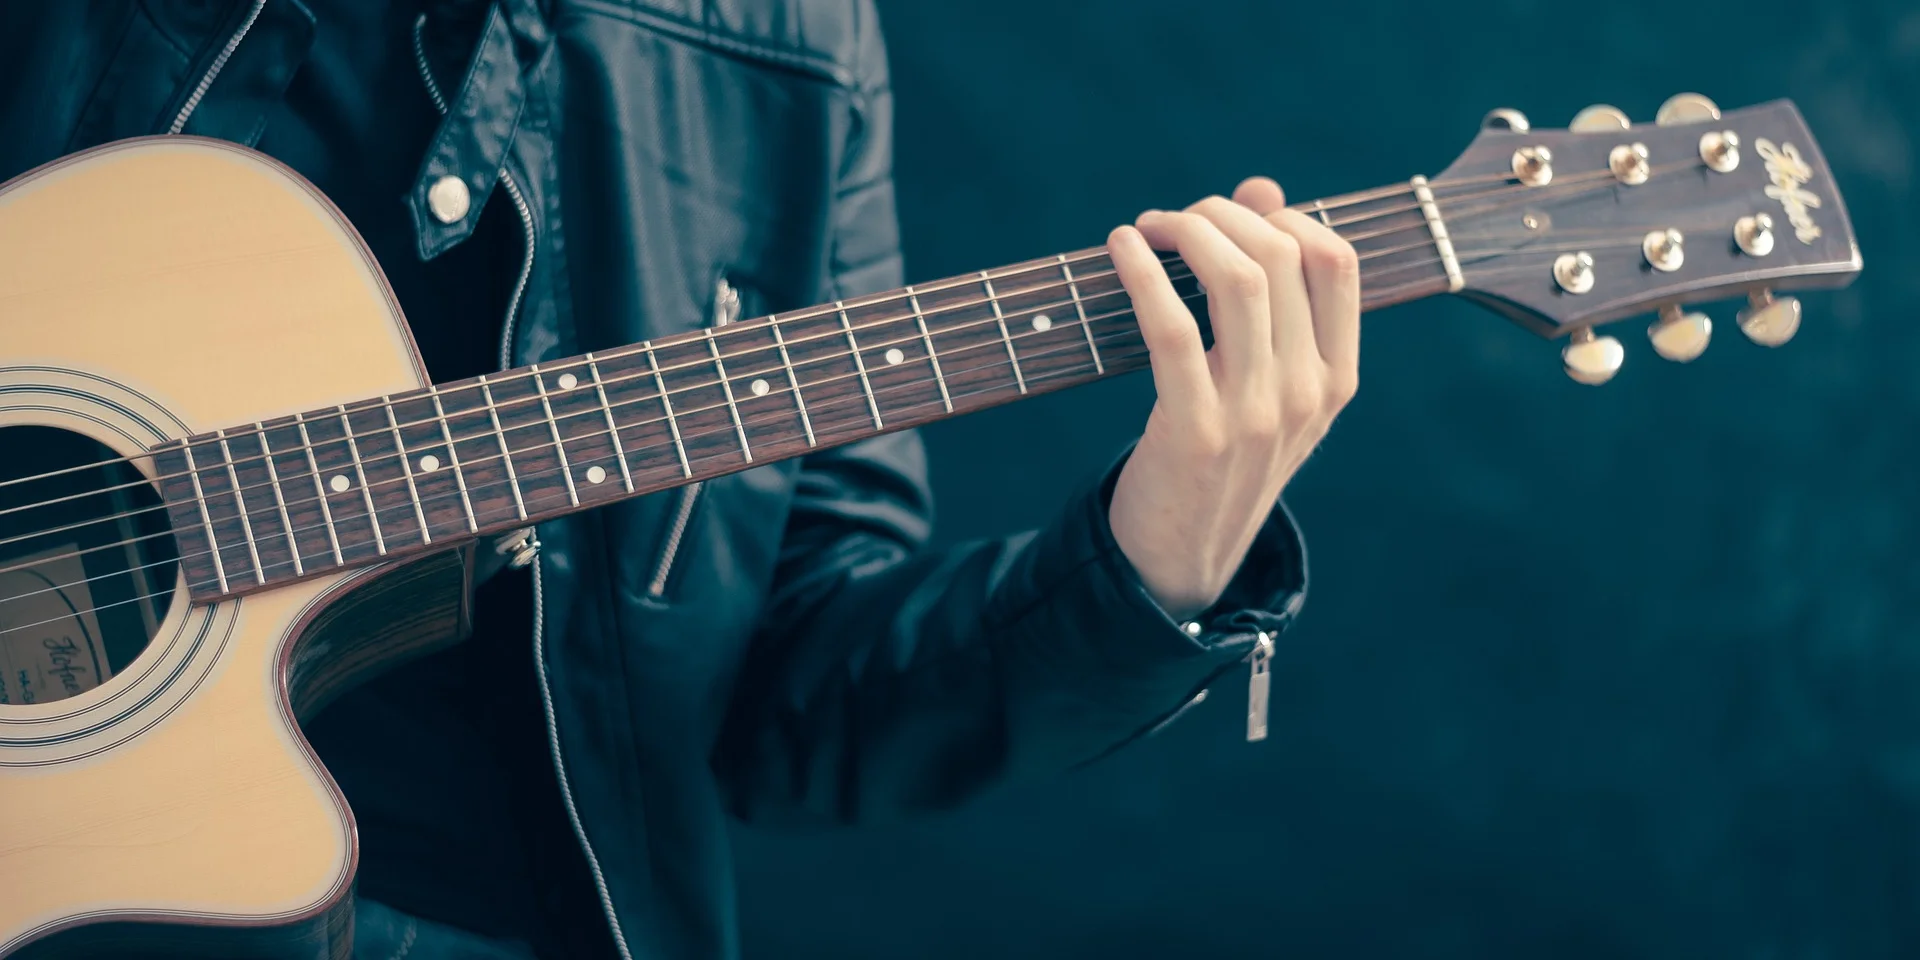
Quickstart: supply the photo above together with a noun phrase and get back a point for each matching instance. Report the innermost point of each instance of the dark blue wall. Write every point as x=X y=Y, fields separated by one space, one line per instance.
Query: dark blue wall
x=1619 y=672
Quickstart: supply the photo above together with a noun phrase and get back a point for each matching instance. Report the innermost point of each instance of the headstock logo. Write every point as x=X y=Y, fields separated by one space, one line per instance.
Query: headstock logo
x=1789 y=174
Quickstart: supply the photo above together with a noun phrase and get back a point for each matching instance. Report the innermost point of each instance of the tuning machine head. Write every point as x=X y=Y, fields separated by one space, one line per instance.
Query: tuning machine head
x=1599 y=118
x=1769 y=320
x=1679 y=335
x=1592 y=359
x=1506 y=118
x=1686 y=108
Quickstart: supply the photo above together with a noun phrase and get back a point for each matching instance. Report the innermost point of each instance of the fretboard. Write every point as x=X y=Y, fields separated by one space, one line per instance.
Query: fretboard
x=257 y=505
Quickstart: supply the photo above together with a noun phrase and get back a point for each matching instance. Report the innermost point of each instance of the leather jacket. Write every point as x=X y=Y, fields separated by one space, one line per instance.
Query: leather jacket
x=780 y=643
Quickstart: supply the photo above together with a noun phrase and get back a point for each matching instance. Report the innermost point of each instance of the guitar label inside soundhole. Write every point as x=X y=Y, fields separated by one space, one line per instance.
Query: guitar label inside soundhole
x=87 y=564
x=55 y=650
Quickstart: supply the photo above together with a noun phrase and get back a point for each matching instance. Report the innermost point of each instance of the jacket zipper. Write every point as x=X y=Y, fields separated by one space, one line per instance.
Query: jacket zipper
x=533 y=543
x=219 y=63
x=726 y=309
x=1259 y=684
x=683 y=512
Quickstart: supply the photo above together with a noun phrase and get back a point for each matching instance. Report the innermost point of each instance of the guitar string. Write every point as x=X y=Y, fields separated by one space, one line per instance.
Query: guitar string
x=596 y=412
x=325 y=417
x=853 y=399
x=781 y=416
x=1049 y=265
x=554 y=495
x=1471 y=256
x=1075 y=347
x=1466 y=257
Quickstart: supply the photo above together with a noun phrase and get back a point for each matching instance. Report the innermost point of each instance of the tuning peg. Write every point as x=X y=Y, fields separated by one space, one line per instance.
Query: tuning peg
x=1505 y=118
x=1590 y=359
x=1599 y=118
x=1770 y=321
x=1754 y=234
x=1686 y=108
x=1665 y=250
x=1574 y=271
x=1679 y=336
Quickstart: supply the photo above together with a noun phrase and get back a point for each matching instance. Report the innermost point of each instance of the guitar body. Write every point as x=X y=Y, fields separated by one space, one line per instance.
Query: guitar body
x=175 y=810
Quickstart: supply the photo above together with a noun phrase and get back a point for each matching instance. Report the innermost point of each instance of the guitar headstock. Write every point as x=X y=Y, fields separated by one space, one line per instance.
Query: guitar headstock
x=1567 y=229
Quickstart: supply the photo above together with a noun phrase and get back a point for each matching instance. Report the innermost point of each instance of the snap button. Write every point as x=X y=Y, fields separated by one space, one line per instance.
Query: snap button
x=448 y=199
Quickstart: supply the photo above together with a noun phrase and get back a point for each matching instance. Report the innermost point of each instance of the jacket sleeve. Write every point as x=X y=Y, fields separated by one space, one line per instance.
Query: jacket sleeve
x=887 y=677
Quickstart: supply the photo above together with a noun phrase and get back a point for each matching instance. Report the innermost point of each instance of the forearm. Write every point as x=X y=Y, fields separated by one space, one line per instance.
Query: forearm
x=914 y=681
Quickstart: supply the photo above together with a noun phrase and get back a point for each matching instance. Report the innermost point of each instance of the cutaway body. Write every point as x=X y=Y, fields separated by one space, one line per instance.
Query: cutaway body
x=151 y=290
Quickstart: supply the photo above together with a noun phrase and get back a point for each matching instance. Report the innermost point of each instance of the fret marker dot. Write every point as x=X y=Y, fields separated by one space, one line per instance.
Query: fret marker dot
x=429 y=463
x=596 y=474
x=894 y=355
x=339 y=483
x=759 y=388
x=1042 y=322
x=568 y=381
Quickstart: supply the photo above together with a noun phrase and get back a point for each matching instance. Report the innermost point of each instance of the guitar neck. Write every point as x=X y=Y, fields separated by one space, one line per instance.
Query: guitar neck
x=262 y=504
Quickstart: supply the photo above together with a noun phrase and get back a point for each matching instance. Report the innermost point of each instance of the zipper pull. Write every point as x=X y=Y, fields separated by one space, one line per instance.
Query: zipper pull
x=726 y=303
x=1259 y=681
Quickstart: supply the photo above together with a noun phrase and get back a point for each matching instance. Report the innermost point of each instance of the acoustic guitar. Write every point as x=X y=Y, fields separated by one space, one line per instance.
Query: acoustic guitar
x=229 y=491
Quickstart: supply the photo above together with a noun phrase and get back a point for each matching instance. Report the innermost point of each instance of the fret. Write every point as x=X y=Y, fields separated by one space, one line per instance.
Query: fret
x=859 y=364
x=965 y=335
x=240 y=501
x=726 y=386
x=1080 y=307
x=628 y=400
x=933 y=357
x=506 y=456
x=1053 y=343
x=406 y=467
x=326 y=511
x=613 y=429
x=993 y=300
x=666 y=403
x=360 y=470
x=560 y=447
x=1109 y=313
x=200 y=497
x=453 y=459
x=279 y=499
x=896 y=359
x=710 y=414
x=578 y=414
x=473 y=443
x=793 y=381
x=829 y=376
x=274 y=462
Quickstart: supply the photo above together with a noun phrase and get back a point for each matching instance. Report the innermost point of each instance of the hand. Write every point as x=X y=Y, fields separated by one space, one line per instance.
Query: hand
x=1232 y=424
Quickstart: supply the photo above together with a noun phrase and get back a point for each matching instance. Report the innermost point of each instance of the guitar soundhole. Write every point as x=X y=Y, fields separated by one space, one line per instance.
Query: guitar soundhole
x=87 y=564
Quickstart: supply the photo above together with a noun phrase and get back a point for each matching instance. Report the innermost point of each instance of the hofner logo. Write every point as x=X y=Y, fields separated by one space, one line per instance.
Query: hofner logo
x=1789 y=173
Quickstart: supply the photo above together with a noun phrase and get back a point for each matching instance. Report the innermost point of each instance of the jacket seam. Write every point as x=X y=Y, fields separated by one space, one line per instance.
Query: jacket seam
x=179 y=47
x=815 y=65
x=106 y=76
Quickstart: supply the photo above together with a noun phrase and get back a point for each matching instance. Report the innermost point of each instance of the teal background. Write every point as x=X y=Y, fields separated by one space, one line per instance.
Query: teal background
x=1619 y=672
